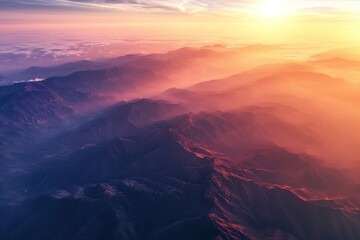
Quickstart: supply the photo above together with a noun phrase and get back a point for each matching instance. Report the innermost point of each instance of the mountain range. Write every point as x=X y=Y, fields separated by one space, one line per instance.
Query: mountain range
x=198 y=143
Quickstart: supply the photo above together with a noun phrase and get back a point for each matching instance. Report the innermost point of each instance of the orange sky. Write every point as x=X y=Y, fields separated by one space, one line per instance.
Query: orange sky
x=320 y=25
x=267 y=21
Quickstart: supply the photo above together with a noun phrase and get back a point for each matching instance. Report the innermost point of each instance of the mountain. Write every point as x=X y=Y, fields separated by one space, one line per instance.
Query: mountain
x=347 y=53
x=248 y=210
x=149 y=147
x=337 y=62
x=159 y=184
x=117 y=121
x=68 y=68
x=280 y=84
x=61 y=70
x=38 y=105
x=192 y=176
x=34 y=106
x=4 y=80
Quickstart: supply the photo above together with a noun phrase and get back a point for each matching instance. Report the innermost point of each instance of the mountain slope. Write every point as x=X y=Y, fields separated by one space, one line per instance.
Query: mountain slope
x=263 y=154
x=193 y=176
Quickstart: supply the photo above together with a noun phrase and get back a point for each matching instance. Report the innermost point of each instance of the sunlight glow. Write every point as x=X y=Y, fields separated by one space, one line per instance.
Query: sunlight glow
x=272 y=9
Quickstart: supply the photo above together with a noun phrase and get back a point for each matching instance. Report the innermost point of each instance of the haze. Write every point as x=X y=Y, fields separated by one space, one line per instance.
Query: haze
x=182 y=120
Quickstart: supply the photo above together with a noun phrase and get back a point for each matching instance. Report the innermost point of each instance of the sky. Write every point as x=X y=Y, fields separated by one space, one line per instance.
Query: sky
x=25 y=12
x=177 y=17
x=179 y=6
x=33 y=30
x=187 y=17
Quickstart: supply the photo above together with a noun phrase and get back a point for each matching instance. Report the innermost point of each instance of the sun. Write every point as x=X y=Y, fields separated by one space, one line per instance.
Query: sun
x=272 y=9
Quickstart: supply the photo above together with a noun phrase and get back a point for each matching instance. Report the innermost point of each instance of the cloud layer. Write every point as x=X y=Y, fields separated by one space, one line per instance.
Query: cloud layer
x=175 y=5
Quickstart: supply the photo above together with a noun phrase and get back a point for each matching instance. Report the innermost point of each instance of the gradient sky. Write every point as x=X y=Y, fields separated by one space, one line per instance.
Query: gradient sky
x=62 y=27
x=262 y=19
x=100 y=13
x=192 y=7
x=174 y=5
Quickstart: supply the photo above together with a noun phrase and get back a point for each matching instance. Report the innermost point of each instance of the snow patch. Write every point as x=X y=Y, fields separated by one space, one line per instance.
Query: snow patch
x=31 y=80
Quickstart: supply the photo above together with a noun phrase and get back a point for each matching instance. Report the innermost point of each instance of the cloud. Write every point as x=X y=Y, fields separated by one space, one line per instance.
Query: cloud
x=98 y=5
x=39 y=5
x=108 y=1
x=161 y=5
x=173 y=5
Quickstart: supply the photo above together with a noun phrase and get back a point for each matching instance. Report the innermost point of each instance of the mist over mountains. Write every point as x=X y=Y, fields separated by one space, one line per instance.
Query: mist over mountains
x=197 y=143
